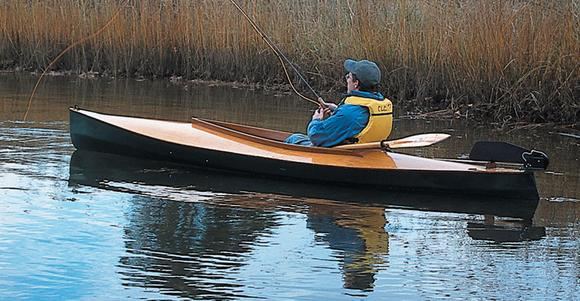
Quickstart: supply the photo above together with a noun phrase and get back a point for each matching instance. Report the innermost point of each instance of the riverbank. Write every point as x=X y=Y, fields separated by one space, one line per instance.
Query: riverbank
x=493 y=61
x=283 y=91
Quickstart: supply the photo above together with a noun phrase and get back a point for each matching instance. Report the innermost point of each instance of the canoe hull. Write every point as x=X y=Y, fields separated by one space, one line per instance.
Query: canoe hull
x=88 y=133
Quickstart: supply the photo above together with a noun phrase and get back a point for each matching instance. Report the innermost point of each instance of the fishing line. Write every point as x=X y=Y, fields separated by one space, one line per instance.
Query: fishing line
x=94 y=34
x=280 y=56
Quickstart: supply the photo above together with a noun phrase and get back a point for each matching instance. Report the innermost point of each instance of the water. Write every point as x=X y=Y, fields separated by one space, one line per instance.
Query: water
x=79 y=225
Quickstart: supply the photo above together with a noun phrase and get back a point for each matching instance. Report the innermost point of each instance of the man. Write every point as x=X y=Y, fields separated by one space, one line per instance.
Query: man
x=363 y=115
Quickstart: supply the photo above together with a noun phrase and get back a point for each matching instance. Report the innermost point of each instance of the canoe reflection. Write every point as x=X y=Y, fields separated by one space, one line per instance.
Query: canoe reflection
x=171 y=244
x=504 y=231
x=91 y=168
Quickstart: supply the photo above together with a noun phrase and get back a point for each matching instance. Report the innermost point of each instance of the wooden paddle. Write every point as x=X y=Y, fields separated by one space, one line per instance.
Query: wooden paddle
x=420 y=140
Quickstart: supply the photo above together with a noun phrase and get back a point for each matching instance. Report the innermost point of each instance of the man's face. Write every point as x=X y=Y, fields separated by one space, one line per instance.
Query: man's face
x=351 y=83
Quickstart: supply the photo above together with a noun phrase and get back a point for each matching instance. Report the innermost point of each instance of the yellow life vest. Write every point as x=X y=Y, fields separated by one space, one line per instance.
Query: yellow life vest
x=380 y=118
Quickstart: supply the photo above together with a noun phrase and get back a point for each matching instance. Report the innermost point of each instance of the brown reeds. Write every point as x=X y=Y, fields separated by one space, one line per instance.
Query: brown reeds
x=497 y=60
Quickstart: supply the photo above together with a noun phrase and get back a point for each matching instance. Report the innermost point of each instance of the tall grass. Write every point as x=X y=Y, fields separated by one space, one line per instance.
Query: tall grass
x=499 y=60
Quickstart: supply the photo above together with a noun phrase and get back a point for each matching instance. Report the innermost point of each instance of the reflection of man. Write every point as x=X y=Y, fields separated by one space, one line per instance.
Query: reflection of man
x=358 y=233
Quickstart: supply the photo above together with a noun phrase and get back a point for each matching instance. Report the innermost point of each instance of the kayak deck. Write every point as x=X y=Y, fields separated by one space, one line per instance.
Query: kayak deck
x=206 y=135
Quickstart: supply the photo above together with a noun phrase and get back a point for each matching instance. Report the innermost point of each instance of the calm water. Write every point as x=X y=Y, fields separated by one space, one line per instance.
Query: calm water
x=80 y=225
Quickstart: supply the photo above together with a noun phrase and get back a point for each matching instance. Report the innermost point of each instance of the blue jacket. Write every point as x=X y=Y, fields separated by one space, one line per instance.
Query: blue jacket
x=345 y=122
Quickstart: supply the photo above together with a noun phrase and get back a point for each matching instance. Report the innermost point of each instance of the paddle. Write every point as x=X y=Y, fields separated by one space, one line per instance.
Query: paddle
x=506 y=152
x=420 y=140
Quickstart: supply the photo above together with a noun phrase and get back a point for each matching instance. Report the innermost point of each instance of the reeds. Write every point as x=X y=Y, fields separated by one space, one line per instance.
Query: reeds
x=496 y=59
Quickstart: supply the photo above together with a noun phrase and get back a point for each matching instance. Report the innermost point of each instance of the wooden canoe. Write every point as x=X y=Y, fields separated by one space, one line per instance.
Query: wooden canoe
x=220 y=145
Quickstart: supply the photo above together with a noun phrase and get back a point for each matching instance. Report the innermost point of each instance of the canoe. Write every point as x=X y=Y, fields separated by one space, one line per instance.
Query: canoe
x=239 y=148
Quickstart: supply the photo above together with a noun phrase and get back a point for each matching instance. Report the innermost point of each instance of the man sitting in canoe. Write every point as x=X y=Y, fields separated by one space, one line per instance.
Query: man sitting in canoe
x=363 y=115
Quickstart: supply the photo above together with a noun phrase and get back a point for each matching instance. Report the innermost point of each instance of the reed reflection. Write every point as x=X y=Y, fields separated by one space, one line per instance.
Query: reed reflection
x=189 y=249
x=150 y=99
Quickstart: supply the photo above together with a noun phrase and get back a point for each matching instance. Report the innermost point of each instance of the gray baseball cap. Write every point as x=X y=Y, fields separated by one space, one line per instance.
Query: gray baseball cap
x=367 y=72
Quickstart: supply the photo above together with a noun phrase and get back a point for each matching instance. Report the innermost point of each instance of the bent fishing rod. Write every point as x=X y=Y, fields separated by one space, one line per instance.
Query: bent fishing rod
x=71 y=46
x=281 y=57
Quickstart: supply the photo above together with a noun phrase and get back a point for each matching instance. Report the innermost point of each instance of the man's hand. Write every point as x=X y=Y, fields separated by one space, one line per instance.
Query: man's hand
x=321 y=113
x=331 y=106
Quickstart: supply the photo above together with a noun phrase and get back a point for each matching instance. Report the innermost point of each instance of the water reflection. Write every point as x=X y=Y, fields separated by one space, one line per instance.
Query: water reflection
x=150 y=99
x=189 y=249
x=358 y=235
x=193 y=246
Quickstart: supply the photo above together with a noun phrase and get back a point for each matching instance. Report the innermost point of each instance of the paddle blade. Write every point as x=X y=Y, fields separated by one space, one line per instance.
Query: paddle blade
x=418 y=140
x=506 y=152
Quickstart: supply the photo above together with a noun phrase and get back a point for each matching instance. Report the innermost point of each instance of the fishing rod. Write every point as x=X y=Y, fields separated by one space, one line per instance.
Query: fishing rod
x=281 y=57
x=71 y=46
